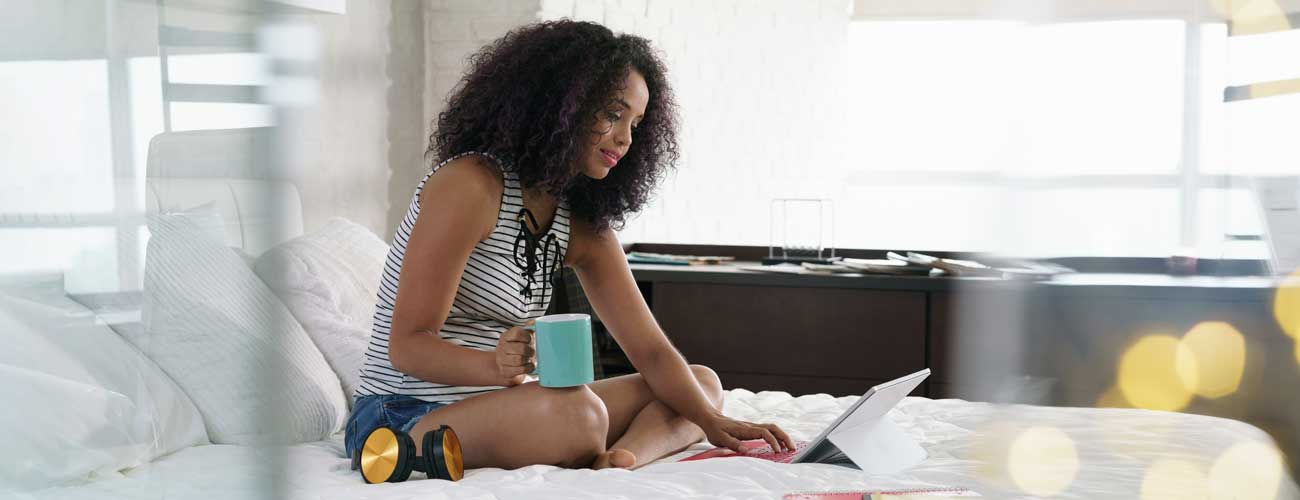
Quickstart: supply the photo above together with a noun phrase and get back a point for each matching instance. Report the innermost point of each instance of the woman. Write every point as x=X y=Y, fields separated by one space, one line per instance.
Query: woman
x=557 y=132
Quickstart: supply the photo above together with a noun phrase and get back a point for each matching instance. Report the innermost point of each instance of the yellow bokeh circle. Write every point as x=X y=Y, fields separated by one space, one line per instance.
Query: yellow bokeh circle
x=1252 y=16
x=1148 y=374
x=1043 y=461
x=1286 y=305
x=991 y=447
x=1112 y=398
x=1211 y=359
x=1247 y=470
x=1171 y=479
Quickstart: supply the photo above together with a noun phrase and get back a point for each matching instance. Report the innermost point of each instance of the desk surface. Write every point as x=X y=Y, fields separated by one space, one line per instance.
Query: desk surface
x=1154 y=286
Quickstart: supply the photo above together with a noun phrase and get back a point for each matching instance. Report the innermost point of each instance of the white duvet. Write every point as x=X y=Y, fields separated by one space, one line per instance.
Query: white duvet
x=1116 y=454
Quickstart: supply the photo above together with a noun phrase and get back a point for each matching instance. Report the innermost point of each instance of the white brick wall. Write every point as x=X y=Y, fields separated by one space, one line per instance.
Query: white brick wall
x=342 y=148
x=454 y=29
x=758 y=87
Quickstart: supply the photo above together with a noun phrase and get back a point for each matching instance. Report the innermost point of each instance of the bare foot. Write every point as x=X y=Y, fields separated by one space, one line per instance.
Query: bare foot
x=618 y=457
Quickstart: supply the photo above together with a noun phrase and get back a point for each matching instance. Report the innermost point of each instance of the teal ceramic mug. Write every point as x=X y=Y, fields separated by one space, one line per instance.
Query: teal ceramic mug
x=564 y=356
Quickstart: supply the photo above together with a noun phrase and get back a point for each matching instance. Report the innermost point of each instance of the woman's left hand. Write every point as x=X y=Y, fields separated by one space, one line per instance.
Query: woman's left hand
x=728 y=433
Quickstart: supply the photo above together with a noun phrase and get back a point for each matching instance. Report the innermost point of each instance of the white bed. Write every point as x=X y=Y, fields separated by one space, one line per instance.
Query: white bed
x=1115 y=450
x=1000 y=452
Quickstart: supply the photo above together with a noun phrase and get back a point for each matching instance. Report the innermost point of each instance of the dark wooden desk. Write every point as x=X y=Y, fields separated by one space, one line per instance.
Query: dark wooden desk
x=840 y=334
x=1056 y=342
x=796 y=333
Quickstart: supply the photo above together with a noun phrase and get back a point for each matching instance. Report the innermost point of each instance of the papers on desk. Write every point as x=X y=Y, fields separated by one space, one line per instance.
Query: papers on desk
x=1019 y=269
x=775 y=268
x=917 y=264
x=846 y=267
x=675 y=260
x=885 y=266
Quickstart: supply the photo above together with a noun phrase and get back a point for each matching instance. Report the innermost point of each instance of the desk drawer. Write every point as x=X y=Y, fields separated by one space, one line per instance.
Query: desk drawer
x=811 y=332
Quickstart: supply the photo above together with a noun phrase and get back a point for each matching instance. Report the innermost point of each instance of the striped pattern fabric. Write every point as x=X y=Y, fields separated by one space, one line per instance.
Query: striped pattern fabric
x=489 y=298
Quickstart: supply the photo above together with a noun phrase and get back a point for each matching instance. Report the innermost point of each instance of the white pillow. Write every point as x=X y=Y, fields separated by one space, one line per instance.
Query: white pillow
x=77 y=398
x=57 y=430
x=212 y=325
x=329 y=279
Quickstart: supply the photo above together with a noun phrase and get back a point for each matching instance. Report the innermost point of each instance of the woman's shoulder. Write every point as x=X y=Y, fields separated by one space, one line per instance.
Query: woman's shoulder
x=473 y=167
x=473 y=174
x=466 y=186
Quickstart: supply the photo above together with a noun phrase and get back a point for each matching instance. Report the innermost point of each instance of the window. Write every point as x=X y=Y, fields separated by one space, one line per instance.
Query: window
x=79 y=112
x=1081 y=138
x=210 y=76
x=985 y=132
x=57 y=207
x=56 y=129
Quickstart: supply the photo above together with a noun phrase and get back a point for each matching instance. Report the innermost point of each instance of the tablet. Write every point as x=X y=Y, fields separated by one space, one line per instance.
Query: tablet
x=868 y=410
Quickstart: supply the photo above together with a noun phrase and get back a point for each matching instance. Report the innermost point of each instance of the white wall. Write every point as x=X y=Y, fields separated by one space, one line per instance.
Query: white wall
x=757 y=84
x=362 y=132
x=386 y=69
x=406 y=117
x=454 y=29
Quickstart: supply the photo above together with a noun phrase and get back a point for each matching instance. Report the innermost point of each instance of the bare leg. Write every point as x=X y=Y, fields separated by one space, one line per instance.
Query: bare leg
x=525 y=425
x=644 y=426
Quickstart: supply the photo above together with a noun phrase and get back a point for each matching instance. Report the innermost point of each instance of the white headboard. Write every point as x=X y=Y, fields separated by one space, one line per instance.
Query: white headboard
x=232 y=170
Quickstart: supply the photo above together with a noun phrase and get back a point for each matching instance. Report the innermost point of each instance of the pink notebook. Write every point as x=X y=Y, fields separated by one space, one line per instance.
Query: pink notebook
x=866 y=494
x=754 y=448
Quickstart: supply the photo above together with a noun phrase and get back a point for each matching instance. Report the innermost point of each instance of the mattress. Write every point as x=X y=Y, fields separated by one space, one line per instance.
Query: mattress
x=1098 y=453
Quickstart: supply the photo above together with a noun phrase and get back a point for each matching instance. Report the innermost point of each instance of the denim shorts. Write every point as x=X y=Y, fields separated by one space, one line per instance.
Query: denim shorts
x=395 y=411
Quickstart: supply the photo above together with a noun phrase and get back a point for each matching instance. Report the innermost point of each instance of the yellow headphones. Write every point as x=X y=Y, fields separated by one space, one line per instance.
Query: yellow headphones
x=388 y=455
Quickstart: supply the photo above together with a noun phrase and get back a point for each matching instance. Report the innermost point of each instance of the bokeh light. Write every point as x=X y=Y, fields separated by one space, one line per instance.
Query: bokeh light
x=993 y=440
x=1286 y=305
x=1043 y=461
x=1269 y=89
x=1249 y=17
x=1172 y=479
x=1112 y=398
x=1247 y=470
x=1148 y=374
x=1211 y=358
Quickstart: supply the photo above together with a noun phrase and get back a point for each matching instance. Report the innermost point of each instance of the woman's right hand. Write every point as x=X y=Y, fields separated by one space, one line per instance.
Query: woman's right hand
x=516 y=355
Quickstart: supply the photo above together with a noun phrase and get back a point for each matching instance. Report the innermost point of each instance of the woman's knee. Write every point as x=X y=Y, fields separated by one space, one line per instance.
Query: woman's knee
x=586 y=421
x=586 y=409
x=709 y=381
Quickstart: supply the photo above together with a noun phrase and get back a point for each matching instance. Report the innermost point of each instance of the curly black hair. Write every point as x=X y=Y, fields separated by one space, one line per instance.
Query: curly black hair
x=533 y=98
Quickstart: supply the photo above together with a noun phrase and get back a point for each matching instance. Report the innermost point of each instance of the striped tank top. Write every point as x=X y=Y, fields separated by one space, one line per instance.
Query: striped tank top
x=494 y=293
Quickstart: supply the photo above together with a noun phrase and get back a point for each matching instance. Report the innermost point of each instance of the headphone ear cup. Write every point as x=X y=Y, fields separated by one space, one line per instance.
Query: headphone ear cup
x=452 y=460
x=406 y=450
x=433 y=455
x=442 y=454
x=385 y=456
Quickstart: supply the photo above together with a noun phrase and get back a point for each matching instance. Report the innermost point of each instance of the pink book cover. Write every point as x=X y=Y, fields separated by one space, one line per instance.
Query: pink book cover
x=866 y=494
x=754 y=448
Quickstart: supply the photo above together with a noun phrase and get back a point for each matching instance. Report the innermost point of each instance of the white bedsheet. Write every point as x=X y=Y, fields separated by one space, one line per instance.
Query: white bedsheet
x=1114 y=449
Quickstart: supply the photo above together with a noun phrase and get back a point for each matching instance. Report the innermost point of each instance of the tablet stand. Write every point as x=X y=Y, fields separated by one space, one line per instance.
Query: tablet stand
x=863 y=436
x=878 y=446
